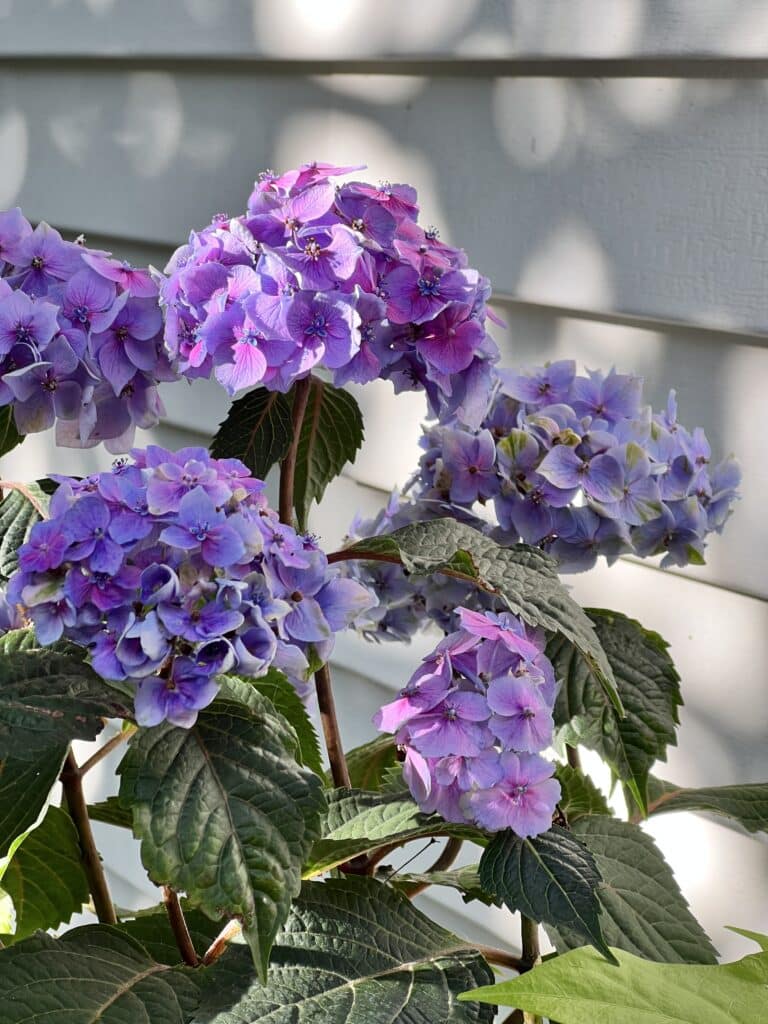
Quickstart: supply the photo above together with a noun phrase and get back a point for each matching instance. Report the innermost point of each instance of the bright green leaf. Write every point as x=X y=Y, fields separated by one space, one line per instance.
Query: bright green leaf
x=648 y=685
x=580 y=988
x=644 y=911
x=331 y=435
x=20 y=509
x=746 y=803
x=257 y=431
x=756 y=937
x=550 y=878
x=25 y=784
x=226 y=814
x=368 y=763
x=579 y=796
x=45 y=878
x=352 y=950
x=91 y=975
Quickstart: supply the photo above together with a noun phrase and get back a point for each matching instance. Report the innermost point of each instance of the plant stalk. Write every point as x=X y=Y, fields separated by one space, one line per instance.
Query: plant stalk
x=220 y=943
x=529 y=932
x=179 y=927
x=573 y=757
x=301 y=391
x=72 y=783
x=330 y=723
x=109 y=746
x=448 y=855
x=501 y=957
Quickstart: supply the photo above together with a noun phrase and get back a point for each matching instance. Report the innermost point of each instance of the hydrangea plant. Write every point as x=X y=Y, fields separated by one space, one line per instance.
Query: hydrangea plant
x=166 y=607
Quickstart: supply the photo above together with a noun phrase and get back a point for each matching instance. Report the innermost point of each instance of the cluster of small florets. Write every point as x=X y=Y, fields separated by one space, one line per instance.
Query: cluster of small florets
x=172 y=570
x=575 y=465
x=333 y=275
x=81 y=341
x=473 y=720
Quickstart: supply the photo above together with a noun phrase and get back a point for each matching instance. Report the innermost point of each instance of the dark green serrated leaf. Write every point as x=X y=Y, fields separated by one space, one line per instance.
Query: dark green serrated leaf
x=16 y=640
x=352 y=950
x=111 y=812
x=331 y=435
x=257 y=431
x=358 y=822
x=368 y=763
x=551 y=878
x=525 y=578
x=25 y=784
x=91 y=975
x=152 y=929
x=281 y=693
x=226 y=814
x=649 y=687
x=45 y=877
x=10 y=438
x=579 y=796
x=746 y=803
x=644 y=911
x=20 y=509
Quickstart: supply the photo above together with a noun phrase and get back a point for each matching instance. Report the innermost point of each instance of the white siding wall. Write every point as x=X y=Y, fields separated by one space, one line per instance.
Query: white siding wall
x=604 y=161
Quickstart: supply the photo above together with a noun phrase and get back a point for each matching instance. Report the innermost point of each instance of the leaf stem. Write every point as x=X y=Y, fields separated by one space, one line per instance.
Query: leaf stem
x=109 y=746
x=573 y=757
x=301 y=391
x=330 y=723
x=13 y=485
x=220 y=943
x=72 y=783
x=448 y=855
x=501 y=957
x=529 y=933
x=179 y=927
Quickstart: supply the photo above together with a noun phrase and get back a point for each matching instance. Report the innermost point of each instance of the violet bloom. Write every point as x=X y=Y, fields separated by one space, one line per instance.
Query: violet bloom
x=677 y=533
x=26 y=321
x=42 y=259
x=90 y=301
x=521 y=718
x=201 y=525
x=541 y=385
x=414 y=296
x=600 y=477
x=44 y=390
x=324 y=328
x=194 y=622
x=323 y=256
x=471 y=463
x=524 y=800
x=426 y=688
x=454 y=726
x=128 y=344
x=137 y=282
x=640 y=499
x=610 y=398
x=14 y=226
x=45 y=548
x=176 y=474
x=176 y=699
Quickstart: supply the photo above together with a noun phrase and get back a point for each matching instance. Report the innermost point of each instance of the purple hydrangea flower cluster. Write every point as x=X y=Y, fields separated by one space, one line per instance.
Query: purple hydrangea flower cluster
x=171 y=570
x=318 y=273
x=81 y=342
x=575 y=465
x=473 y=720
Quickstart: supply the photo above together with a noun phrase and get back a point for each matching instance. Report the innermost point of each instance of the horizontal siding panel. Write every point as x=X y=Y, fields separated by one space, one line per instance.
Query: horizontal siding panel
x=636 y=197
x=452 y=30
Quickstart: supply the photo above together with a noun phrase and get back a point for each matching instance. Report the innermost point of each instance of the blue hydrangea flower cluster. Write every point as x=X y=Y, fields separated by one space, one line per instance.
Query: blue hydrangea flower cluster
x=172 y=569
x=81 y=342
x=576 y=465
x=318 y=273
x=473 y=720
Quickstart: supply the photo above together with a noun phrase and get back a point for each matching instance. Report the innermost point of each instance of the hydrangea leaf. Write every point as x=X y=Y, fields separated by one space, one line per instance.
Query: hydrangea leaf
x=236 y=839
x=257 y=430
x=91 y=975
x=25 y=784
x=111 y=812
x=331 y=435
x=579 y=796
x=550 y=878
x=465 y=880
x=746 y=803
x=525 y=578
x=368 y=763
x=644 y=911
x=10 y=438
x=152 y=929
x=358 y=822
x=281 y=693
x=352 y=949
x=649 y=687
x=45 y=877
x=580 y=988
x=22 y=507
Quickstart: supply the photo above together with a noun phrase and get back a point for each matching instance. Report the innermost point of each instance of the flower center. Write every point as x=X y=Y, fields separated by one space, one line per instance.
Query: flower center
x=428 y=286
x=81 y=314
x=312 y=250
x=317 y=326
x=37 y=263
x=297 y=596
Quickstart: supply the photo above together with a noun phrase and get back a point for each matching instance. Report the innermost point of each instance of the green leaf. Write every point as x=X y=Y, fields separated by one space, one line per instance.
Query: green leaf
x=16 y=640
x=47 y=698
x=226 y=814
x=358 y=822
x=9 y=435
x=23 y=506
x=524 y=578
x=746 y=803
x=152 y=929
x=466 y=880
x=551 y=878
x=331 y=435
x=352 y=950
x=756 y=937
x=579 y=796
x=281 y=693
x=111 y=812
x=648 y=685
x=644 y=911
x=580 y=988
x=257 y=431
x=45 y=878
x=368 y=763
x=91 y=975
x=25 y=784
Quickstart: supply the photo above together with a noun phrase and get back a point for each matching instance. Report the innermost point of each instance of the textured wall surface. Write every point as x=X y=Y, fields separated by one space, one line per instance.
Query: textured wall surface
x=604 y=161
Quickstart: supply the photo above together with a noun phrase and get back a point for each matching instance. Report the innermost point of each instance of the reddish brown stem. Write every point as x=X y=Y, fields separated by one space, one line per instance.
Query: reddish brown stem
x=179 y=927
x=220 y=943
x=330 y=723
